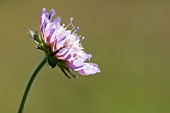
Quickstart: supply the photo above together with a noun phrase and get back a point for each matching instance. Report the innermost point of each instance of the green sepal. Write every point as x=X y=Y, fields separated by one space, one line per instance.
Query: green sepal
x=52 y=61
x=62 y=66
x=35 y=36
x=73 y=75
x=62 y=69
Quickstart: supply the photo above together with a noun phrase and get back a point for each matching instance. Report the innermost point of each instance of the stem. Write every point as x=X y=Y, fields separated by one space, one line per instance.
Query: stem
x=30 y=84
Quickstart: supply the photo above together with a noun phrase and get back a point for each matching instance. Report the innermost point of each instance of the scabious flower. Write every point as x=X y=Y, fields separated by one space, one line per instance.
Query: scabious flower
x=63 y=46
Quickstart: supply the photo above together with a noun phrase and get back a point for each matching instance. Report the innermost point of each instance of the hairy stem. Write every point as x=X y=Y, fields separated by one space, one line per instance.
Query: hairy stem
x=30 y=82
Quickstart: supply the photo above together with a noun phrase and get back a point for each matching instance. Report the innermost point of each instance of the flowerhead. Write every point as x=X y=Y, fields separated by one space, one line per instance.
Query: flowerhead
x=63 y=46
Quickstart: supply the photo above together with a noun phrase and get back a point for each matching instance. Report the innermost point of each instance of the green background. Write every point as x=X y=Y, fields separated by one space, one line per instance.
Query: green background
x=129 y=40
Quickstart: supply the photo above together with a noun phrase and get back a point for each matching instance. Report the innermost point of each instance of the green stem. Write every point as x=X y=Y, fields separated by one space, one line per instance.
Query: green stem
x=30 y=84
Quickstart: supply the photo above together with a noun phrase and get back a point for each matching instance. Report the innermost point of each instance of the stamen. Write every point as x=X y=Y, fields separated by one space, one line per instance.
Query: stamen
x=70 y=24
x=77 y=28
x=82 y=38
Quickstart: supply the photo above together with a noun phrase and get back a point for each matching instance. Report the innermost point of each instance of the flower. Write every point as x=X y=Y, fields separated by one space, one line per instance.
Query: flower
x=63 y=46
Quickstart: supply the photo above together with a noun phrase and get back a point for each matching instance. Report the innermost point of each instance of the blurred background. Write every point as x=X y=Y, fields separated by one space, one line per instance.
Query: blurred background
x=129 y=40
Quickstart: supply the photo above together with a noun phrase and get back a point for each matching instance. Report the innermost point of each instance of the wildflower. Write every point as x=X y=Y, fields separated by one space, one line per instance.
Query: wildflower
x=62 y=46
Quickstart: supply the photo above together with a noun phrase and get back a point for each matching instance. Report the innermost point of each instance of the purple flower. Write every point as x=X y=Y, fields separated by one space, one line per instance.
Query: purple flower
x=63 y=46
